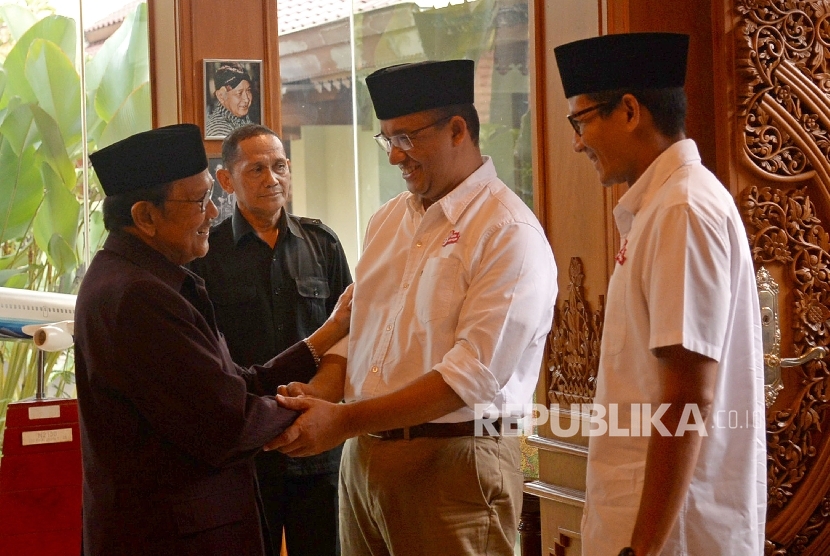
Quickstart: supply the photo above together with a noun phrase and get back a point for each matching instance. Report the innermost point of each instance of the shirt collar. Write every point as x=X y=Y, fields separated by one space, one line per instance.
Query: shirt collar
x=242 y=227
x=640 y=194
x=139 y=253
x=228 y=115
x=456 y=201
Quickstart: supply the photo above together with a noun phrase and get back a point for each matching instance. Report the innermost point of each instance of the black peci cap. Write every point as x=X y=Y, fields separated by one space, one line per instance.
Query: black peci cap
x=409 y=88
x=231 y=75
x=624 y=61
x=150 y=158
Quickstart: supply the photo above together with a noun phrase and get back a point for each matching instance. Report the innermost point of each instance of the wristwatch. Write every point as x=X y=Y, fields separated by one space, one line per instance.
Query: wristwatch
x=627 y=551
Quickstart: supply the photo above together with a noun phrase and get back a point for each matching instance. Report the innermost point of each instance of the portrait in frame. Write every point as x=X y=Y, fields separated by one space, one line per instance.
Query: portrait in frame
x=233 y=95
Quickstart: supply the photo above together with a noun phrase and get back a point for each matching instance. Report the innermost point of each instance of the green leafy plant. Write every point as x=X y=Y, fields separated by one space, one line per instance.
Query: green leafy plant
x=43 y=242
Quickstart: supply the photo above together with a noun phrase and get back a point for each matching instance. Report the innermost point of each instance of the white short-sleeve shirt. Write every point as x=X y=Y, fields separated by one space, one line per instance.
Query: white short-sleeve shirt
x=684 y=275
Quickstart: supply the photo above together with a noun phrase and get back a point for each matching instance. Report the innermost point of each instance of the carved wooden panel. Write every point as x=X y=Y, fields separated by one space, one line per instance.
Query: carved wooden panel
x=783 y=90
x=783 y=95
x=783 y=228
x=573 y=360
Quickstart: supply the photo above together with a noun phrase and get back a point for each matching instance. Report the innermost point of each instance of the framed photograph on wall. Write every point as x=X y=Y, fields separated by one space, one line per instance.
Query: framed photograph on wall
x=233 y=95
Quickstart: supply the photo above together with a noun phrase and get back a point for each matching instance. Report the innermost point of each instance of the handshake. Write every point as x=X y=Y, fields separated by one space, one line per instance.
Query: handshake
x=323 y=421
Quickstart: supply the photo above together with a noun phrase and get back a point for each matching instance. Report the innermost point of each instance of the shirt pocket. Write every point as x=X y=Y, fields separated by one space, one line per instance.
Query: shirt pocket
x=434 y=298
x=314 y=292
x=313 y=288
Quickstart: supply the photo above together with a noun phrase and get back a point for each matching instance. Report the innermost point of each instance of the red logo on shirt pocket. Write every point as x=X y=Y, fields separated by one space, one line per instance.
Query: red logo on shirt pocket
x=452 y=238
x=620 y=258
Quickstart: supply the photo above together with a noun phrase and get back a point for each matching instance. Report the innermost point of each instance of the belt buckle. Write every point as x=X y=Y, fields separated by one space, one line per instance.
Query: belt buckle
x=391 y=434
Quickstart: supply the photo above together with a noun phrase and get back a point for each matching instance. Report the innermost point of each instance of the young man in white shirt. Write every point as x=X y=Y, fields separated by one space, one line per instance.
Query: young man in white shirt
x=682 y=334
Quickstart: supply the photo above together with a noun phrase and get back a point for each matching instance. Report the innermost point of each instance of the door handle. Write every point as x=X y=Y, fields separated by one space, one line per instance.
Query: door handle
x=816 y=352
x=771 y=336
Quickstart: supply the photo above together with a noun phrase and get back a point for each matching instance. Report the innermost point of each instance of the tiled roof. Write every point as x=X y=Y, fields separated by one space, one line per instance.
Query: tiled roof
x=292 y=15
x=115 y=17
x=295 y=15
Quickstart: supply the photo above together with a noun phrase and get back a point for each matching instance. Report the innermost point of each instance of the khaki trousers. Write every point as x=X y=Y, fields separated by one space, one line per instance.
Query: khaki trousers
x=447 y=496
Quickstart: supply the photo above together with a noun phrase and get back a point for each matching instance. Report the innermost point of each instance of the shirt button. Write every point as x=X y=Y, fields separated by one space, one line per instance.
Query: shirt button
x=375 y=369
x=418 y=244
x=405 y=286
x=388 y=328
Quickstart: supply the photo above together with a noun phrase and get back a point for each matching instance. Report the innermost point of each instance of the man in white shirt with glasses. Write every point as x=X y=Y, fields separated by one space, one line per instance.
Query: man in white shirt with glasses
x=453 y=300
x=681 y=344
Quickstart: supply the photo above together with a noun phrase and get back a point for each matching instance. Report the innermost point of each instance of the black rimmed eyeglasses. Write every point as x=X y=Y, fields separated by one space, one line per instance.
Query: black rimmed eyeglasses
x=403 y=141
x=203 y=202
x=577 y=124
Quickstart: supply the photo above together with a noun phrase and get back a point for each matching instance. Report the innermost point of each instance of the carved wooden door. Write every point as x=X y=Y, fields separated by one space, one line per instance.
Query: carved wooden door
x=778 y=140
x=769 y=73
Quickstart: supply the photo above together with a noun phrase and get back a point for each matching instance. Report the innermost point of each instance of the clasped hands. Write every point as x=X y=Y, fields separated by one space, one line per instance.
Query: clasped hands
x=321 y=426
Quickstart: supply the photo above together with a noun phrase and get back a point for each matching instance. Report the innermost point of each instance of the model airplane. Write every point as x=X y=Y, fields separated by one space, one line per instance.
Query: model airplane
x=46 y=318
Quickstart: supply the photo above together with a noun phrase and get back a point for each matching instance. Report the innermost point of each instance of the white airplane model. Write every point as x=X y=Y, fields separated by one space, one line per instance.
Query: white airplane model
x=46 y=318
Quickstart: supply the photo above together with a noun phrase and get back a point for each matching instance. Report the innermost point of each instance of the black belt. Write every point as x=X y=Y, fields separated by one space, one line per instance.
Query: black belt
x=441 y=430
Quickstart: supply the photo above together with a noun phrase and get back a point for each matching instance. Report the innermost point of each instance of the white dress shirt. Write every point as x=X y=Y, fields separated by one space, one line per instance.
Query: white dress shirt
x=466 y=288
x=683 y=276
